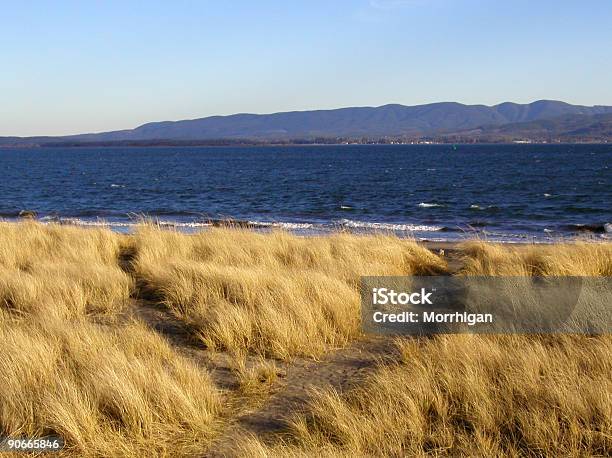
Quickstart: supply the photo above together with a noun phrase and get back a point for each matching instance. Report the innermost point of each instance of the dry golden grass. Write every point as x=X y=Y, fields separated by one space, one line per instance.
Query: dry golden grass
x=569 y=259
x=466 y=395
x=60 y=271
x=272 y=294
x=256 y=377
x=116 y=388
x=107 y=392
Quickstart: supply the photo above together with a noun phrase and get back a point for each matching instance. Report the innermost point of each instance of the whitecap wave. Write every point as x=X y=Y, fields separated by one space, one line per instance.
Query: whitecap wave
x=189 y=224
x=482 y=207
x=105 y=223
x=281 y=225
x=294 y=225
x=389 y=226
x=429 y=205
x=93 y=223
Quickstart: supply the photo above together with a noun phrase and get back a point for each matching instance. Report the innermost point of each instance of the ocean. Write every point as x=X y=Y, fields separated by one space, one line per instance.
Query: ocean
x=507 y=193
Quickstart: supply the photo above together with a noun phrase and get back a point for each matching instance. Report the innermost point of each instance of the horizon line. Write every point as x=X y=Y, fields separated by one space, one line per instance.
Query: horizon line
x=298 y=111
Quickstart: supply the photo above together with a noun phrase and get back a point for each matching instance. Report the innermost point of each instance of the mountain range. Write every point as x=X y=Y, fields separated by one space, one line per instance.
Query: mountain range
x=540 y=119
x=570 y=127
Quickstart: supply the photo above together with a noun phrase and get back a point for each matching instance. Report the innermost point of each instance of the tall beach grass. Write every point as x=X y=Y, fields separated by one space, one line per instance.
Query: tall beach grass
x=274 y=294
x=465 y=395
x=73 y=363
x=120 y=391
x=52 y=270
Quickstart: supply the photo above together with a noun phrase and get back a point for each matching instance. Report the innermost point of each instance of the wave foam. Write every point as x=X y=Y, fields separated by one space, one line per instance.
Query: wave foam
x=430 y=205
x=105 y=223
x=482 y=207
x=390 y=226
x=281 y=225
x=83 y=222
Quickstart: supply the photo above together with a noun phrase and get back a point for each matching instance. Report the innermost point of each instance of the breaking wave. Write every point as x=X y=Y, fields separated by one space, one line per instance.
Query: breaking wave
x=282 y=225
x=390 y=226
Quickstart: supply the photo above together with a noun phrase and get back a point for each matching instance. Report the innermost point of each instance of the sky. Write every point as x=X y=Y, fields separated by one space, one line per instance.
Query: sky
x=75 y=67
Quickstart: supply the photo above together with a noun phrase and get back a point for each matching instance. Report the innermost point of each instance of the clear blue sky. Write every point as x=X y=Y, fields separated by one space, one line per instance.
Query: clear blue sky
x=85 y=66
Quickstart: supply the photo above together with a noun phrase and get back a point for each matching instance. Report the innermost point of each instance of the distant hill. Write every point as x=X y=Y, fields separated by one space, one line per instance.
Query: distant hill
x=573 y=127
x=385 y=121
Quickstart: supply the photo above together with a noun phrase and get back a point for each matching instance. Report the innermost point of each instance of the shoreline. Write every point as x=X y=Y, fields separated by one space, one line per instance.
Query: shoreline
x=280 y=145
x=434 y=243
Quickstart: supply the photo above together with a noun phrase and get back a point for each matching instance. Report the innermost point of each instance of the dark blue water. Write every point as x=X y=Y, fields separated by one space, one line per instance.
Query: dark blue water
x=502 y=192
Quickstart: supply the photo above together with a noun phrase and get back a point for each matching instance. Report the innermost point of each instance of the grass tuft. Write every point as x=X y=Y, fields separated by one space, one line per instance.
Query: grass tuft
x=273 y=294
x=466 y=396
x=569 y=259
x=63 y=272
x=107 y=392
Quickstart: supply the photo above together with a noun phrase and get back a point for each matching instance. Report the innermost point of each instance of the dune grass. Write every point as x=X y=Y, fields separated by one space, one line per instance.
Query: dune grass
x=107 y=392
x=108 y=389
x=568 y=259
x=73 y=364
x=469 y=395
x=61 y=271
x=466 y=395
x=273 y=294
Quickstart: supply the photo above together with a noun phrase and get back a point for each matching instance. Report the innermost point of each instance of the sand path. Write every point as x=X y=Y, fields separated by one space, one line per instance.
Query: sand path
x=265 y=414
